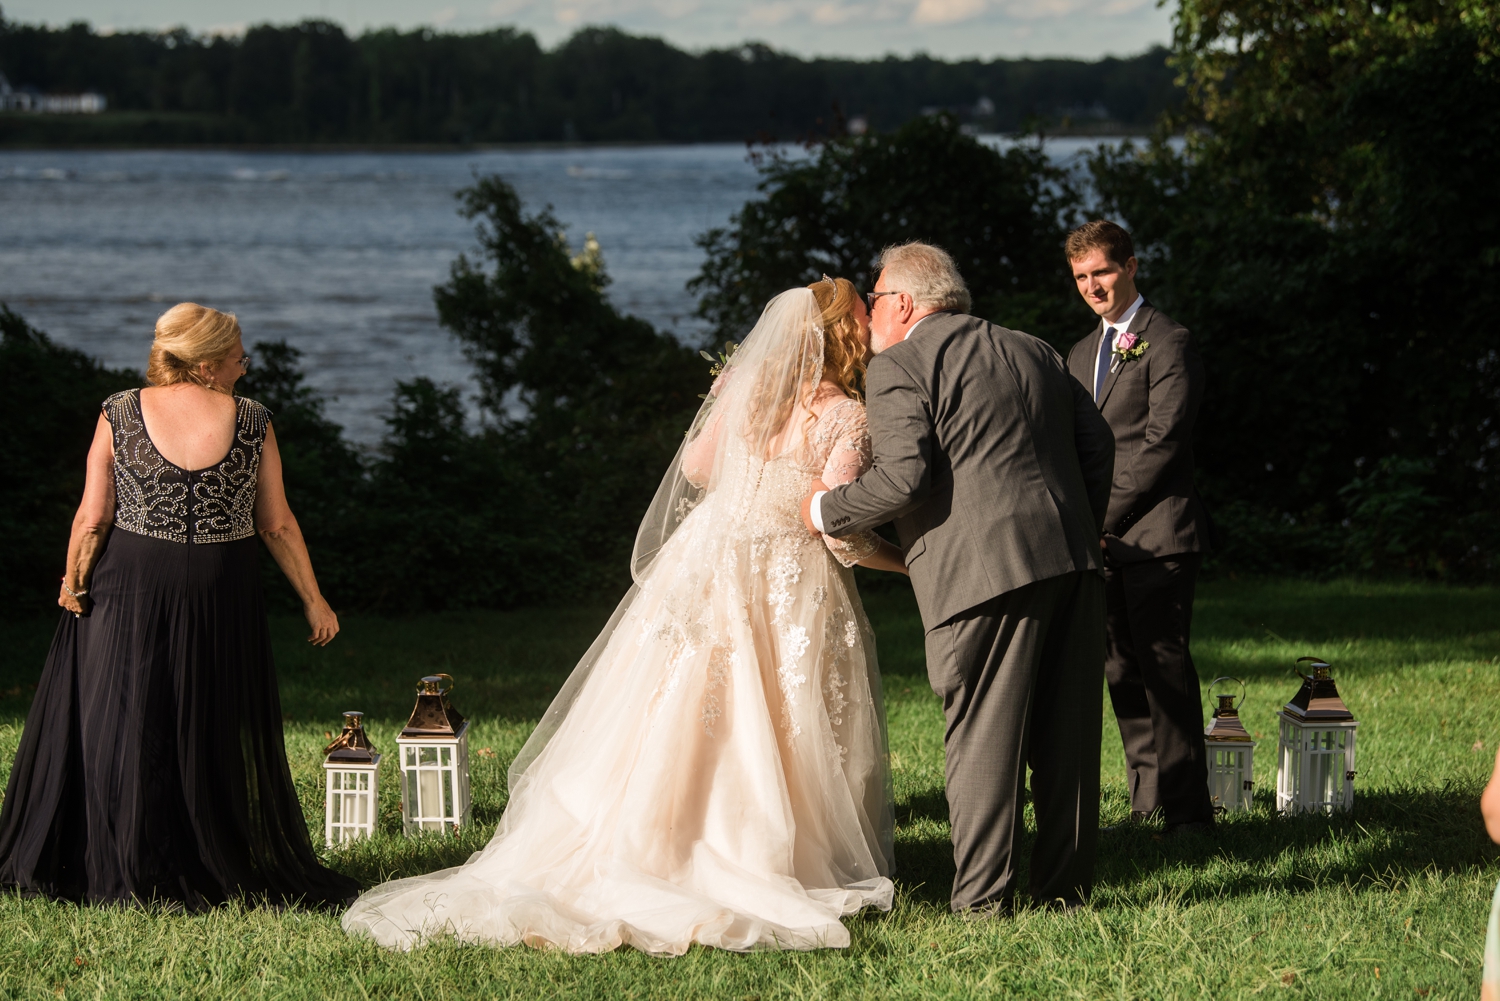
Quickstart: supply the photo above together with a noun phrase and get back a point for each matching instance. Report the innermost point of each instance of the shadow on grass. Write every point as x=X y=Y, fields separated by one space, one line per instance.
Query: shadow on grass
x=1324 y=612
x=392 y=856
x=1391 y=838
x=929 y=805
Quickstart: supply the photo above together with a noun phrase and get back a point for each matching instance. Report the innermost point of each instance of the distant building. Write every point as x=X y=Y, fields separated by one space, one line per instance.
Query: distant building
x=27 y=99
x=88 y=103
x=13 y=100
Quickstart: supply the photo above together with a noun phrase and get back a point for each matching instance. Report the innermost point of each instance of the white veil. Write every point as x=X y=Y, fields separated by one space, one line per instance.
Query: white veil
x=757 y=409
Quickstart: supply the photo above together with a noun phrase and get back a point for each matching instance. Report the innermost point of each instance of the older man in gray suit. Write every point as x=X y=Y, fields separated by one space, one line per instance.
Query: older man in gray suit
x=995 y=465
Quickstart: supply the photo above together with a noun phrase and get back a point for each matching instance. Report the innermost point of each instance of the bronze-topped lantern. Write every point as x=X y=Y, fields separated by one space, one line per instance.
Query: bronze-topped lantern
x=1230 y=752
x=352 y=767
x=434 y=761
x=1316 y=769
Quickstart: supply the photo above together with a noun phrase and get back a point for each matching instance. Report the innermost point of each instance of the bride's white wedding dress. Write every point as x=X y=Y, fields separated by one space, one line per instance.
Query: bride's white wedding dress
x=715 y=770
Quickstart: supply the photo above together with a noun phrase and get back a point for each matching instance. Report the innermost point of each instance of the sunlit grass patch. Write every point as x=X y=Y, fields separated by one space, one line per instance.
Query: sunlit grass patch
x=1310 y=906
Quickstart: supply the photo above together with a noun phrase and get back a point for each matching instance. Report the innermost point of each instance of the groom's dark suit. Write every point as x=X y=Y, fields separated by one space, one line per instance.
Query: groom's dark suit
x=1157 y=531
x=995 y=465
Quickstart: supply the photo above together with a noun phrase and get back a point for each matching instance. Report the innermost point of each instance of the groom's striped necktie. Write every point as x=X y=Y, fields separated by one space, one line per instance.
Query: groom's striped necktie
x=1106 y=347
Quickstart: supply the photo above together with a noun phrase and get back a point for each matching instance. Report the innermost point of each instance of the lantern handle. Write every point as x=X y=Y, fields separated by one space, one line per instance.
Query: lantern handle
x=1237 y=681
x=1309 y=660
x=441 y=691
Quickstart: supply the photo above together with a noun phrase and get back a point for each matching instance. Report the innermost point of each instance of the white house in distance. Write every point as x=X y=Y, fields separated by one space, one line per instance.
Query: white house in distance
x=29 y=100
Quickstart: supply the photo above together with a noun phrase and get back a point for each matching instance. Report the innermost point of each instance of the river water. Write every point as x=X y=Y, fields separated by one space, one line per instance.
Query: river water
x=337 y=252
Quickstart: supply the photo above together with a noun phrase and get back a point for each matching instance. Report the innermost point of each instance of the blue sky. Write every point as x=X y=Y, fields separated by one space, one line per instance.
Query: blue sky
x=854 y=28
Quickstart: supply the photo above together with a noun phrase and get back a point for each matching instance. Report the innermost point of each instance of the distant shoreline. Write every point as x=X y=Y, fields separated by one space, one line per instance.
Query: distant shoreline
x=474 y=147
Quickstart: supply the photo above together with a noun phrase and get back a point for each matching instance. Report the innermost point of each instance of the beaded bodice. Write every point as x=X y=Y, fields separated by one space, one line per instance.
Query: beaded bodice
x=160 y=499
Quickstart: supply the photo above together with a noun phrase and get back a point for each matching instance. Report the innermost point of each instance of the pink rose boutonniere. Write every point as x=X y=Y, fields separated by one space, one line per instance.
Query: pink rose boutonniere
x=1128 y=347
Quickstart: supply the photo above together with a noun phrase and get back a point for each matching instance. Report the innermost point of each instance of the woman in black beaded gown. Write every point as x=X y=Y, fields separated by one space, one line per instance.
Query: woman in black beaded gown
x=152 y=768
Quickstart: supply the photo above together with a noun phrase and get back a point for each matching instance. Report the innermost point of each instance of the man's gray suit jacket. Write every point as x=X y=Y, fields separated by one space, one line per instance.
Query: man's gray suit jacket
x=1151 y=404
x=992 y=460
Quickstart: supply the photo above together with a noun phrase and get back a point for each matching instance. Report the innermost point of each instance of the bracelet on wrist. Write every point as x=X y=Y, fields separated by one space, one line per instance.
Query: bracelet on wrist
x=77 y=594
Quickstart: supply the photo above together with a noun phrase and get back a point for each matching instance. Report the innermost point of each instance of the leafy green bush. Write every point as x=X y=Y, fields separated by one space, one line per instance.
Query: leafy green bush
x=586 y=406
x=1002 y=215
x=1328 y=233
x=325 y=475
x=49 y=407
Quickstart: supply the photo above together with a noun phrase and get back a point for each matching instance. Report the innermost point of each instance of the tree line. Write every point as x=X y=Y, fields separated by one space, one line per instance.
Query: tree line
x=313 y=83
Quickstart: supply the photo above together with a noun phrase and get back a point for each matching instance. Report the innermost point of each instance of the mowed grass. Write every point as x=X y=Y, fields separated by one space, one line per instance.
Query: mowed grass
x=1389 y=901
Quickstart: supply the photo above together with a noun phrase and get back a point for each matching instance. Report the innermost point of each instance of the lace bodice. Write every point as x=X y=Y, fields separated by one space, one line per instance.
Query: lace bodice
x=835 y=449
x=157 y=498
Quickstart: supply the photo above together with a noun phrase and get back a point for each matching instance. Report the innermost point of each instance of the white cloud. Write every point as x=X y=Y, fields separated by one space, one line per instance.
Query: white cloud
x=444 y=16
x=1042 y=10
x=837 y=13
x=628 y=15
x=763 y=15
x=509 y=8
x=675 y=9
x=946 y=11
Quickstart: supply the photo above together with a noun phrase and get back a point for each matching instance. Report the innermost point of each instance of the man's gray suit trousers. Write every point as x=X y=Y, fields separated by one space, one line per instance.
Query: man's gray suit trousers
x=1021 y=677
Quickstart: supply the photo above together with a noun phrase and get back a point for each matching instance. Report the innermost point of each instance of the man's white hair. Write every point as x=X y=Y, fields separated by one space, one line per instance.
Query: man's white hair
x=927 y=274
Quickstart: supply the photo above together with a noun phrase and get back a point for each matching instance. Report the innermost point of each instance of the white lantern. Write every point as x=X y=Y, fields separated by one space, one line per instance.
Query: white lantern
x=1230 y=752
x=352 y=770
x=434 y=750
x=1316 y=770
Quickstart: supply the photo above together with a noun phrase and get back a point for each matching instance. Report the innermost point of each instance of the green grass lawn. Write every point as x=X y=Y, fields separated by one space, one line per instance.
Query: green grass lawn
x=1389 y=901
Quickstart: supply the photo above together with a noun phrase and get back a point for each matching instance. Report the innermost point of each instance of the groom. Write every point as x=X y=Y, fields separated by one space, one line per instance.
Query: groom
x=1148 y=381
x=995 y=465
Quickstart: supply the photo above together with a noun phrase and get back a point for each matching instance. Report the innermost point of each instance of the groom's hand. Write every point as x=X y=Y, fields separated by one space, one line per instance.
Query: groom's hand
x=818 y=486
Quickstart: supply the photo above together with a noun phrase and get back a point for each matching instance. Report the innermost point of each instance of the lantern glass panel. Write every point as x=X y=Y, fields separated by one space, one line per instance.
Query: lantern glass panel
x=351 y=808
x=434 y=786
x=1229 y=776
x=1317 y=767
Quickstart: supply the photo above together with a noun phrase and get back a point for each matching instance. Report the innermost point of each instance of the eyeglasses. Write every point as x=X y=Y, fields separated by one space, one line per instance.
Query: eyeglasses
x=244 y=363
x=870 y=298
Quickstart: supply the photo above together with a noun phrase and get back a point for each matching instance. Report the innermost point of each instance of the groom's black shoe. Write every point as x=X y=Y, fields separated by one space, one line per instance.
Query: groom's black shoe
x=995 y=910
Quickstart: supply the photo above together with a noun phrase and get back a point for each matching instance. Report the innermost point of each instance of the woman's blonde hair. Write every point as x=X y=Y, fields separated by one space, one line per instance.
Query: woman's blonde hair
x=843 y=346
x=188 y=335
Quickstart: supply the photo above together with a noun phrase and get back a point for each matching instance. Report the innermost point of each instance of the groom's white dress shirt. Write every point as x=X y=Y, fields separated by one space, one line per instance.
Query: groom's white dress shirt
x=1120 y=326
x=816 y=510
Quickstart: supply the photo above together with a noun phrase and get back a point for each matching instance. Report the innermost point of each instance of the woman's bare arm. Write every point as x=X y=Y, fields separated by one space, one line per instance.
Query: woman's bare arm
x=1489 y=803
x=95 y=517
x=282 y=535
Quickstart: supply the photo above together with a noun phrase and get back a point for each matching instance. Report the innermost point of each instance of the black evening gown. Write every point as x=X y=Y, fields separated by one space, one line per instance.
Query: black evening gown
x=152 y=768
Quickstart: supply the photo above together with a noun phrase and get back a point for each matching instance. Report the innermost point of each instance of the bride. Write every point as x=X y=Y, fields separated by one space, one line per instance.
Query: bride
x=714 y=770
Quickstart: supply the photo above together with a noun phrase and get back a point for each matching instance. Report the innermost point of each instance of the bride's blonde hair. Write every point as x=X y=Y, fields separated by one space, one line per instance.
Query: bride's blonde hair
x=843 y=346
